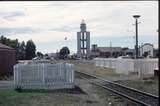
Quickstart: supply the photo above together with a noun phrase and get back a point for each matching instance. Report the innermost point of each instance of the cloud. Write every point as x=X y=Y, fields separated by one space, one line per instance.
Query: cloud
x=51 y=21
x=42 y=36
x=65 y=29
x=11 y=16
x=12 y=31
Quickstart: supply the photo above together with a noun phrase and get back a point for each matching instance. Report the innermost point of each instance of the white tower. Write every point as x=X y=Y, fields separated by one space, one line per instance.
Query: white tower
x=83 y=41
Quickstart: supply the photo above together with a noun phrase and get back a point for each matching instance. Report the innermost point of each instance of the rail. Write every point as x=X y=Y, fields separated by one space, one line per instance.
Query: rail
x=132 y=94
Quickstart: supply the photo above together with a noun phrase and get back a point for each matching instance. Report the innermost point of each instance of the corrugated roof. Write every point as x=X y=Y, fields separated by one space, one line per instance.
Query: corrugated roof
x=2 y=46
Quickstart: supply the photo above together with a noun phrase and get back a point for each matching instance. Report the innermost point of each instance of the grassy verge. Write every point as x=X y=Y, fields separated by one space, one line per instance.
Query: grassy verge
x=91 y=68
x=148 y=85
x=13 y=98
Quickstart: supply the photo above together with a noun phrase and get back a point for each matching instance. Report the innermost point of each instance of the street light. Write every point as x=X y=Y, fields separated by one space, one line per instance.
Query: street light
x=136 y=23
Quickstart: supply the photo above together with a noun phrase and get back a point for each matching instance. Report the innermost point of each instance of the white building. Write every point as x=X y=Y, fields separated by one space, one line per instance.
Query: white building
x=83 y=41
x=146 y=50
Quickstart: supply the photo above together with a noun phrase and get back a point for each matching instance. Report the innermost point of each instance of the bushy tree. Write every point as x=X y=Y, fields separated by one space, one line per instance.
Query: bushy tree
x=11 y=43
x=64 y=52
x=22 y=51
x=30 y=50
x=39 y=54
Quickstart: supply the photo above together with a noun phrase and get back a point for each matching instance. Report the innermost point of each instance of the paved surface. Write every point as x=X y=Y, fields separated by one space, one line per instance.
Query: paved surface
x=6 y=84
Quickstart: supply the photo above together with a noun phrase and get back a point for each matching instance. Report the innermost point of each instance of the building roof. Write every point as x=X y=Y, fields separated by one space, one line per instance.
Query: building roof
x=130 y=50
x=2 y=46
x=147 y=44
x=108 y=49
x=51 y=54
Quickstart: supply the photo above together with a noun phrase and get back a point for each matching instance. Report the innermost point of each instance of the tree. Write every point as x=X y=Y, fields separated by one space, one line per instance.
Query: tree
x=64 y=52
x=21 y=50
x=3 y=39
x=30 y=50
x=11 y=43
x=39 y=54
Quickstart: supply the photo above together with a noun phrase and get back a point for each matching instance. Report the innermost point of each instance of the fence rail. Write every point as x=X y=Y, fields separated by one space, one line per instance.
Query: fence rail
x=143 y=67
x=44 y=76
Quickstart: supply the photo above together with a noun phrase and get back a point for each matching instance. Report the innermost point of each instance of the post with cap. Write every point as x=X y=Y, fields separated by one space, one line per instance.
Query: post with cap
x=136 y=24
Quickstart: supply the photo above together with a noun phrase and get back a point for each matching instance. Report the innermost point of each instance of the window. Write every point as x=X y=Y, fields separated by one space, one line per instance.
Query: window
x=85 y=37
x=85 y=44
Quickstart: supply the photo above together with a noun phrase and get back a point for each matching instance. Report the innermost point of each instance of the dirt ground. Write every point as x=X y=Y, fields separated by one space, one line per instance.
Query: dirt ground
x=85 y=94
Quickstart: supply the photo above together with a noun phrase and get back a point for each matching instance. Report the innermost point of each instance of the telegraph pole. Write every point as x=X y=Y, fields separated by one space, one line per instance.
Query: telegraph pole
x=136 y=27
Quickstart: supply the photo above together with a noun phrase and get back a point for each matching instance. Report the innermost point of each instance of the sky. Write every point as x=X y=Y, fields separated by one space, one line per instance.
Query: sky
x=109 y=22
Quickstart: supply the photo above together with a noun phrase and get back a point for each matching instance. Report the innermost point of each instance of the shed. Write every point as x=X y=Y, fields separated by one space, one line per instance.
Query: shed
x=146 y=50
x=7 y=59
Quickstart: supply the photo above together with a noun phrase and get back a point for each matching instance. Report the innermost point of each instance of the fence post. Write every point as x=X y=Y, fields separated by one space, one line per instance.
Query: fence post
x=43 y=77
x=22 y=76
x=19 y=76
x=15 y=76
x=72 y=73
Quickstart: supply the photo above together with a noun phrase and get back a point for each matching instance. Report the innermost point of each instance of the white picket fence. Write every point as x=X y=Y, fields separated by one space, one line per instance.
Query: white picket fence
x=143 y=67
x=44 y=76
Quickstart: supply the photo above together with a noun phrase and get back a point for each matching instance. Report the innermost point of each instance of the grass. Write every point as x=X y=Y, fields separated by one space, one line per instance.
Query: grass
x=108 y=98
x=147 y=85
x=91 y=68
x=14 y=98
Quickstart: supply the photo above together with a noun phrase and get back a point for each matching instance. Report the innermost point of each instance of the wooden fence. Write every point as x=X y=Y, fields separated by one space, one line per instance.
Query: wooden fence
x=44 y=76
x=143 y=67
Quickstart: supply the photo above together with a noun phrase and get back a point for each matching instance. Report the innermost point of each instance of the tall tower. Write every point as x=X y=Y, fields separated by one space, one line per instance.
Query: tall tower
x=83 y=41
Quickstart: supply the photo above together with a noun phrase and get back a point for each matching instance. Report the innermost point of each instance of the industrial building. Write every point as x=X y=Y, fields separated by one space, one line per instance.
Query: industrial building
x=106 y=51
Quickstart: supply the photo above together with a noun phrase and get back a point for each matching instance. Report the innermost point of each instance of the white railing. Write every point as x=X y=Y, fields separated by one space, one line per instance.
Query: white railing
x=143 y=67
x=44 y=76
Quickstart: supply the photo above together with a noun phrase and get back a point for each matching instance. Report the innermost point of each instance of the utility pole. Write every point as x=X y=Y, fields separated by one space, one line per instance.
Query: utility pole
x=136 y=27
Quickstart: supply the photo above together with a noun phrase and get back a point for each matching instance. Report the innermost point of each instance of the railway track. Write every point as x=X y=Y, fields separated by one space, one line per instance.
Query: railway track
x=138 y=97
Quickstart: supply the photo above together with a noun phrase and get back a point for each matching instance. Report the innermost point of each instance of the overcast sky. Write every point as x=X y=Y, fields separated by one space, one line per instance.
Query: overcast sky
x=48 y=23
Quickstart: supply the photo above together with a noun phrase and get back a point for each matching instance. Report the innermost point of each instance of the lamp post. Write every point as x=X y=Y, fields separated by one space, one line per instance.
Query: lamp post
x=136 y=24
